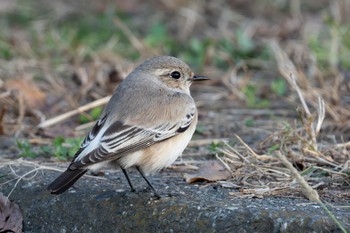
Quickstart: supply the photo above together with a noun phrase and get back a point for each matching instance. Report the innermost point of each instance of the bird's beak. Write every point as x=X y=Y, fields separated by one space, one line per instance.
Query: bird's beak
x=196 y=78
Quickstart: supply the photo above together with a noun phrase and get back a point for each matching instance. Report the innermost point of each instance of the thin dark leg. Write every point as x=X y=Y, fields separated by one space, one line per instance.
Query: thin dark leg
x=148 y=182
x=128 y=179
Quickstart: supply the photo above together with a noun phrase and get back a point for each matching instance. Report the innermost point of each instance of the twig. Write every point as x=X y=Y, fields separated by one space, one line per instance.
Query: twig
x=346 y=144
x=285 y=65
x=320 y=160
x=331 y=171
x=225 y=164
x=69 y=114
x=332 y=216
x=85 y=126
x=37 y=167
x=311 y=130
x=321 y=114
x=233 y=150
x=19 y=179
x=260 y=157
x=202 y=142
x=309 y=192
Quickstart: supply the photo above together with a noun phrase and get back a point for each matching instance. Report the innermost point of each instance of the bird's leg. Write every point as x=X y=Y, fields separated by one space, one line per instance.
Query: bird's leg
x=128 y=179
x=148 y=182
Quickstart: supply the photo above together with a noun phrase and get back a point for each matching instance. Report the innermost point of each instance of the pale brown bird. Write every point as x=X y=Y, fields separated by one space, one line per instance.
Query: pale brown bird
x=147 y=123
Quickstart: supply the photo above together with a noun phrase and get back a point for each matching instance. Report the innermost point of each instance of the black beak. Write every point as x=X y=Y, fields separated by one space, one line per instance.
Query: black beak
x=196 y=78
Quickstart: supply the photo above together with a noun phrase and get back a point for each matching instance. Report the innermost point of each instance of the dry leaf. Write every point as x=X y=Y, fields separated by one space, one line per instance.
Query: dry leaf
x=208 y=171
x=33 y=96
x=11 y=218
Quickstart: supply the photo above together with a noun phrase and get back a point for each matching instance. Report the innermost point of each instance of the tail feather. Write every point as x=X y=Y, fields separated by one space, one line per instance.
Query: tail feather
x=65 y=180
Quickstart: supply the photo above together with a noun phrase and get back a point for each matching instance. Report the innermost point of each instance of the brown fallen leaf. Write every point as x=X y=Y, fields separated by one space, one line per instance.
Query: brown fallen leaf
x=209 y=171
x=33 y=96
x=11 y=218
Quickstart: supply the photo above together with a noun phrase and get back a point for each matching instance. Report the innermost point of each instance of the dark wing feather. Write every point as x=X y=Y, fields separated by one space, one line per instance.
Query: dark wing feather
x=92 y=134
x=120 y=139
x=65 y=180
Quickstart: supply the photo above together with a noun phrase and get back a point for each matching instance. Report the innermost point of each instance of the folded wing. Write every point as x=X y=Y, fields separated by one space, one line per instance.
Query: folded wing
x=119 y=139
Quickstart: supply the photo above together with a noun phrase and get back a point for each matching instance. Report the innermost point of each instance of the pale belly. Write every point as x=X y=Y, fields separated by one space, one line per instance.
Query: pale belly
x=159 y=155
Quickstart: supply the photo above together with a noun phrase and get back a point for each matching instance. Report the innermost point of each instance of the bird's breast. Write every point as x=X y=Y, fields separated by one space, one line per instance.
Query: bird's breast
x=161 y=154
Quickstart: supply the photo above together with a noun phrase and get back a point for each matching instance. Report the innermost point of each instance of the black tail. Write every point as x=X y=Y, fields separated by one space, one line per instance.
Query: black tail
x=65 y=181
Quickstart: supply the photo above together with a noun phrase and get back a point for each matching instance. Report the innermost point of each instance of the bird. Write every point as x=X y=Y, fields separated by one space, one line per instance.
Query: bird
x=147 y=124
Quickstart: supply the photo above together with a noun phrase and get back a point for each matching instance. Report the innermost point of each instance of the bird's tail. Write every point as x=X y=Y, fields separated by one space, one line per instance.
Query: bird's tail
x=65 y=180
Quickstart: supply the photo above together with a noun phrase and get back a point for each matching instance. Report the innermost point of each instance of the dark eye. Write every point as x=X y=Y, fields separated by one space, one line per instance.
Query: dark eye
x=175 y=75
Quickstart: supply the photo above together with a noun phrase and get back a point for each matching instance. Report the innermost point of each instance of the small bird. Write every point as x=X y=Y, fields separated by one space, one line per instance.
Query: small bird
x=147 y=123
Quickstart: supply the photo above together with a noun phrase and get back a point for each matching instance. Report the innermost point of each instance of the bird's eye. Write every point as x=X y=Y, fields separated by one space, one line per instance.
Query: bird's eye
x=175 y=75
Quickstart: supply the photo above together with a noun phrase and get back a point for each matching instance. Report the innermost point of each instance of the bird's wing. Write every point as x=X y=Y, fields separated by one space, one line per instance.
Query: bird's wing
x=91 y=136
x=120 y=139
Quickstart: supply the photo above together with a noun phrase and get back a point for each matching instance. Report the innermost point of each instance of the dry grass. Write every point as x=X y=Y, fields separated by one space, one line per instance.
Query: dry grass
x=319 y=162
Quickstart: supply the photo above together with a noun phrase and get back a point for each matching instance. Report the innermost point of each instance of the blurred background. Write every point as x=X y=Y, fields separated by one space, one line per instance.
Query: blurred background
x=57 y=56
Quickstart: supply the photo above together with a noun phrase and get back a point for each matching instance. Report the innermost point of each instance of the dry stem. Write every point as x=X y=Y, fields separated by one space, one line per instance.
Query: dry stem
x=310 y=193
x=81 y=109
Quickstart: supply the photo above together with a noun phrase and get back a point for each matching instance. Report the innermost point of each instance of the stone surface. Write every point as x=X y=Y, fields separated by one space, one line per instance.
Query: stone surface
x=106 y=205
